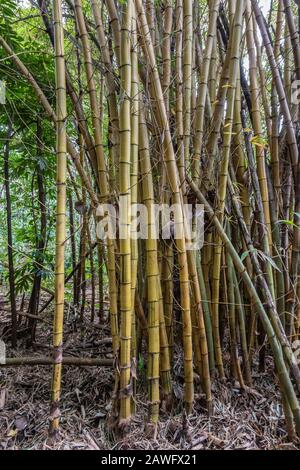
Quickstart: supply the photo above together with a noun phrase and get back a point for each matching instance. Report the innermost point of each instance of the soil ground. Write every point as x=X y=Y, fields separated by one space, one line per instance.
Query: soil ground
x=240 y=420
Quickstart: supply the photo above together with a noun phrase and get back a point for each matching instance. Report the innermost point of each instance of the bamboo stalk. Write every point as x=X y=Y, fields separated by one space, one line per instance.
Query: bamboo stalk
x=171 y=170
x=125 y=242
x=134 y=185
x=61 y=144
x=152 y=273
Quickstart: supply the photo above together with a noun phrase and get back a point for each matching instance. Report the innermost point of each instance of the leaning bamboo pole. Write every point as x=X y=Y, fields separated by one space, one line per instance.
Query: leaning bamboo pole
x=282 y=370
x=294 y=35
x=267 y=296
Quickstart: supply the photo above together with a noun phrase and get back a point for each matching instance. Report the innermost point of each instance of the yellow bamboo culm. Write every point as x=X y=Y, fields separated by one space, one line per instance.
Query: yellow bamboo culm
x=61 y=146
x=134 y=189
x=187 y=75
x=125 y=225
x=167 y=293
x=152 y=274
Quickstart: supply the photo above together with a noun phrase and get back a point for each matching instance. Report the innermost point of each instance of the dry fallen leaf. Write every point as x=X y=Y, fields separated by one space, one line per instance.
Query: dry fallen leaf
x=12 y=433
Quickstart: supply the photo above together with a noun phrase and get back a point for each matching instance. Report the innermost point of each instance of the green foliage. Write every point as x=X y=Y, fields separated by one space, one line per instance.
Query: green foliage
x=21 y=27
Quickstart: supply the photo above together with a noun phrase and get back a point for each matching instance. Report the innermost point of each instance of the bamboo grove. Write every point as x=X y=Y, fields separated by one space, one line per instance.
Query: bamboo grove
x=176 y=102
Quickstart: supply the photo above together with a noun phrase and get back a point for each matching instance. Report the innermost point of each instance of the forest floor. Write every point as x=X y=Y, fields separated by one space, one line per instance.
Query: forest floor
x=240 y=420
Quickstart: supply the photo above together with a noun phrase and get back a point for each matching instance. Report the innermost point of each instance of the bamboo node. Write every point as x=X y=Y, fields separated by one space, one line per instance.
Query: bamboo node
x=126 y=391
x=58 y=354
